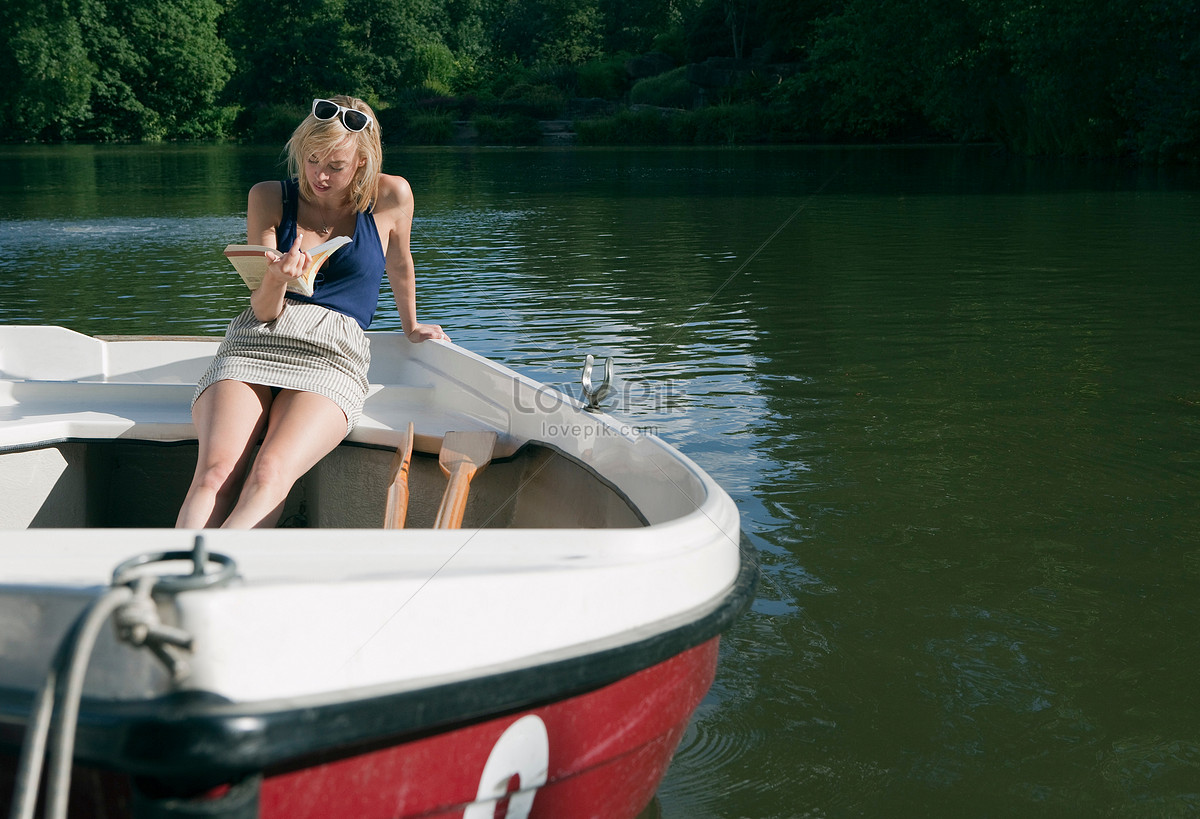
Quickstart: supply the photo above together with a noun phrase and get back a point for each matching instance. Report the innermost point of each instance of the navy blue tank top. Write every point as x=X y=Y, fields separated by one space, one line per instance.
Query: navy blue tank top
x=350 y=279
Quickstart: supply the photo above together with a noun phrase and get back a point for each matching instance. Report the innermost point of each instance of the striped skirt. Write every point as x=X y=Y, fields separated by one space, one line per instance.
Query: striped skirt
x=307 y=347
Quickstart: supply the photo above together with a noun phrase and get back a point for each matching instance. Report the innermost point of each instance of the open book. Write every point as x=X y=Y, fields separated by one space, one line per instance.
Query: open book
x=251 y=262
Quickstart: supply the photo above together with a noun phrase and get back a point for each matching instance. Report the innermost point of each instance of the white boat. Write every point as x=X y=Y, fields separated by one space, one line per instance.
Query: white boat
x=543 y=659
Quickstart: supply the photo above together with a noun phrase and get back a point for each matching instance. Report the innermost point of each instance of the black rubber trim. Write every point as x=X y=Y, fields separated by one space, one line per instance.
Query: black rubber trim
x=27 y=446
x=193 y=736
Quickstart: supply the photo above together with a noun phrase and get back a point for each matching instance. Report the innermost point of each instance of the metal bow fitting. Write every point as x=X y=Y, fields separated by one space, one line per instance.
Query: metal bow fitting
x=593 y=395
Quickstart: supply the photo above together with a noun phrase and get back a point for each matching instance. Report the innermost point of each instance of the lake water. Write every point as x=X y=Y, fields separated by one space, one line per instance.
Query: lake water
x=955 y=395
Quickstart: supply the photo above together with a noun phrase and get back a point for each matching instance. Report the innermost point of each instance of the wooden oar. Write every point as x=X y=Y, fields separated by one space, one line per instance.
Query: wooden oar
x=397 y=496
x=463 y=455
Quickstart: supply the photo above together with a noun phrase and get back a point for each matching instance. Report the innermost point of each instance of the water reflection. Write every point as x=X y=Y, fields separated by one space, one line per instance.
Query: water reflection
x=120 y=274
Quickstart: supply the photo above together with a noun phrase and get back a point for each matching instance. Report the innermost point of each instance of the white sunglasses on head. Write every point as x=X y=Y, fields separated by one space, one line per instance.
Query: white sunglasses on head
x=352 y=119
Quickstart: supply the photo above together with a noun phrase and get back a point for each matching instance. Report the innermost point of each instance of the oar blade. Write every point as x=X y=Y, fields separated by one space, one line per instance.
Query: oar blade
x=470 y=449
x=463 y=455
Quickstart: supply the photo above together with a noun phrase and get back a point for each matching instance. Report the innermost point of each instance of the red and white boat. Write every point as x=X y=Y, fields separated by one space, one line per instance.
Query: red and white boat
x=541 y=660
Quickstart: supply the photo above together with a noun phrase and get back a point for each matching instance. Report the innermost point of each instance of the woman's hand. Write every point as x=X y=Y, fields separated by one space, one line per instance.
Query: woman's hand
x=424 y=332
x=289 y=266
x=282 y=268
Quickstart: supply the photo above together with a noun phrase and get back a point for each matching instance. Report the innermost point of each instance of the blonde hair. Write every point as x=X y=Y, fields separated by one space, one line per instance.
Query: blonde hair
x=320 y=137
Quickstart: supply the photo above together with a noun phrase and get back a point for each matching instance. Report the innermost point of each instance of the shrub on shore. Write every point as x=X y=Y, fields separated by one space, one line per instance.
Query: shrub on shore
x=715 y=125
x=507 y=130
x=669 y=90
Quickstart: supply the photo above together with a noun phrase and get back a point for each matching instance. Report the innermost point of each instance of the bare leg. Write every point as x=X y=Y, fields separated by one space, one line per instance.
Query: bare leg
x=229 y=418
x=303 y=428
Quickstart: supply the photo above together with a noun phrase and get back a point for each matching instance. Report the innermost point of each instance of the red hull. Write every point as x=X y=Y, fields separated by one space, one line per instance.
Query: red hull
x=607 y=752
x=599 y=754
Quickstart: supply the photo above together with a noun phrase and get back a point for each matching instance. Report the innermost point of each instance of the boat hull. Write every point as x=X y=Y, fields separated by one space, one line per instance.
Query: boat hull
x=543 y=660
x=602 y=753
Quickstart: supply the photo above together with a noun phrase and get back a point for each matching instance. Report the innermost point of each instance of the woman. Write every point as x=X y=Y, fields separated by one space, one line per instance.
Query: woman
x=292 y=370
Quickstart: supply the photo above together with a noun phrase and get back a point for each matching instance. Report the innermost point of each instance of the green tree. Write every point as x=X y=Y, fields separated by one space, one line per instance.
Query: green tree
x=1163 y=98
x=967 y=89
x=866 y=68
x=286 y=53
x=394 y=45
x=773 y=30
x=548 y=32
x=630 y=26
x=1059 y=77
x=49 y=74
x=162 y=67
x=466 y=31
x=785 y=27
x=1071 y=58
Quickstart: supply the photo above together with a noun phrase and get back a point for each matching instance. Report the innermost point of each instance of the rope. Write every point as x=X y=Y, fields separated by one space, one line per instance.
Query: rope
x=137 y=623
x=62 y=745
x=73 y=655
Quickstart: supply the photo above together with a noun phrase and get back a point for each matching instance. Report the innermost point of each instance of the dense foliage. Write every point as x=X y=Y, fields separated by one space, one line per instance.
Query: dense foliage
x=1058 y=77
